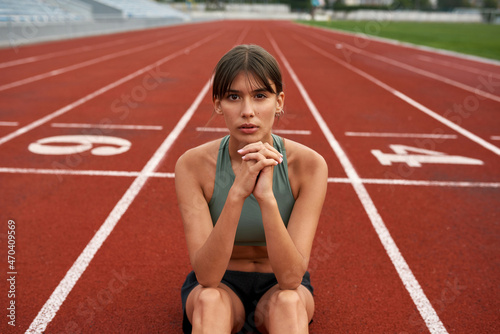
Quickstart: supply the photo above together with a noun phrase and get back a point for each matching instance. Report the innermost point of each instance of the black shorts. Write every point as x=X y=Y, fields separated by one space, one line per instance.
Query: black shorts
x=248 y=286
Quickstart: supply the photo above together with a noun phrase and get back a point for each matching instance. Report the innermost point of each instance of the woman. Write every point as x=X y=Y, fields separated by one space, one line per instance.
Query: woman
x=250 y=204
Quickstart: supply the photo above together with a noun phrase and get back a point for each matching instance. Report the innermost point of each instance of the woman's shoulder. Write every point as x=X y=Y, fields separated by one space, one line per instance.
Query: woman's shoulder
x=198 y=158
x=300 y=154
x=307 y=169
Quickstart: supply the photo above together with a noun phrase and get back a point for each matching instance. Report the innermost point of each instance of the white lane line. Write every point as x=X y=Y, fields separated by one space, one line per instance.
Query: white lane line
x=292 y=132
x=407 y=99
x=279 y=131
x=393 y=62
x=495 y=137
x=87 y=63
x=115 y=173
x=418 y=296
x=50 y=308
x=419 y=183
x=206 y=129
x=42 y=171
x=425 y=183
x=457 y=66
x=102 y=90
x=9 y=123
x=59 y=53
x=106 y=126
x=400 y=135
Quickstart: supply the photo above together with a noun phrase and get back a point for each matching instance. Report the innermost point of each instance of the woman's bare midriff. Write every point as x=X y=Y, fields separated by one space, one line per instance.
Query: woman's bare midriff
x=250 y=259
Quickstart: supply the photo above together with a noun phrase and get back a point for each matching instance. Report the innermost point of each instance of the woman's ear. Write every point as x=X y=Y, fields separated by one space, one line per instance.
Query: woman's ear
x=280 y=101
x=217 y=106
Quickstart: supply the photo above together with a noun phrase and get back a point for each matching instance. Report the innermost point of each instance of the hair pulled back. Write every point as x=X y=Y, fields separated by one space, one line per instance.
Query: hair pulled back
x=250 y=59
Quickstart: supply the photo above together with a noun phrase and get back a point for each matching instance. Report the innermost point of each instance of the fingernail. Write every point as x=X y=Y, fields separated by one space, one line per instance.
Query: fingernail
x=239 y=151
x=281 y=159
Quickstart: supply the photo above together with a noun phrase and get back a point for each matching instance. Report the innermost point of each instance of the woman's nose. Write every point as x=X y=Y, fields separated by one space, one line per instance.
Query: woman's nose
x=247 y=109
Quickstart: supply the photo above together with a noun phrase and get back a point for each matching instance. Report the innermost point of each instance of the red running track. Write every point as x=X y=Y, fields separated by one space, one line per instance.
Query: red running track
x=408 y=240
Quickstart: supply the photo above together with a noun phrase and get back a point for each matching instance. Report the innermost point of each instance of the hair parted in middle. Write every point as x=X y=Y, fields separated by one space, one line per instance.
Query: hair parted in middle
x=251 y=60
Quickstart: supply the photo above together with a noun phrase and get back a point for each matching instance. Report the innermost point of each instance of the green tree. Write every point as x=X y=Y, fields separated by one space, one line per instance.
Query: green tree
x=412 y=4
x=490 y=4
x=451 y=4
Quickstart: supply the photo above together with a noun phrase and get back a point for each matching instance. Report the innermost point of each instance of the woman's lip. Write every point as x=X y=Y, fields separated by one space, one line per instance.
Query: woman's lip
x=248 y=128
x=248 y=125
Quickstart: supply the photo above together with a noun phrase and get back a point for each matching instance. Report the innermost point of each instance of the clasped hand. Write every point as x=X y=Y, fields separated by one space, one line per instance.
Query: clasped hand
x=255 y=174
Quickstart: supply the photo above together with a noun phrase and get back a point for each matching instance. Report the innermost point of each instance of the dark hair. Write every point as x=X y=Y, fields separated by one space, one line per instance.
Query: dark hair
x=251 y=59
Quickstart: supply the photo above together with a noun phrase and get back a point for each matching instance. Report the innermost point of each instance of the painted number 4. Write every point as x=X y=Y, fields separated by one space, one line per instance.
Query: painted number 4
x=415 y=157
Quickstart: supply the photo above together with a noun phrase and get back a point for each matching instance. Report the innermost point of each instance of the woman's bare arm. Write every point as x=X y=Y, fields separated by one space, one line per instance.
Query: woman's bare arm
x=209 y=247
x=289 y=247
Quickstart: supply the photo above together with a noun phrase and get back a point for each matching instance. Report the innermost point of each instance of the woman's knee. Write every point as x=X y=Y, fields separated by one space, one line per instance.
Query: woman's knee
x=283 y=309
x=213 y=297
x=286 y=298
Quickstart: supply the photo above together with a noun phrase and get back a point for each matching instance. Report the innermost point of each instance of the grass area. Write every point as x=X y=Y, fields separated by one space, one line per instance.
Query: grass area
x=471 y=38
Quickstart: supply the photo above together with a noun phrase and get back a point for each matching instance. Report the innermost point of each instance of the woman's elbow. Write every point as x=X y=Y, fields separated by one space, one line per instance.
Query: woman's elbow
x=291 y=281
x=289 y=285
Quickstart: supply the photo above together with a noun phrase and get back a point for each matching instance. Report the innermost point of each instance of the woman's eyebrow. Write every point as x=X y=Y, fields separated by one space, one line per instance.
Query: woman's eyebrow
x=258 y=90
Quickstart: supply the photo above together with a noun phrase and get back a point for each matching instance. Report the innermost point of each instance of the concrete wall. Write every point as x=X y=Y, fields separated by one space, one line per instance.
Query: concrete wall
x=16 y=34
x=403 y=16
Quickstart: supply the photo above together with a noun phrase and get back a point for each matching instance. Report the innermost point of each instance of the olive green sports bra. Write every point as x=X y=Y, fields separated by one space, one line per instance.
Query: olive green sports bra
x=250 y=231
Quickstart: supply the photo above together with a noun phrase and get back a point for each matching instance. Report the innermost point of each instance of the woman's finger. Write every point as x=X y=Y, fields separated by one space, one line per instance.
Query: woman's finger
x=257 y=146
x=258 y=156
x=266 y=150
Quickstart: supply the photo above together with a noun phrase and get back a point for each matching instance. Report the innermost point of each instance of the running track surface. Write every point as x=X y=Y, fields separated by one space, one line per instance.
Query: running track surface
x=408 y=240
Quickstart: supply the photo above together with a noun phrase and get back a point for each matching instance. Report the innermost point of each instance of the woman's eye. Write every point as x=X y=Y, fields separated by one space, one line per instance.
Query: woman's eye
x=260 y=96
x=232 y=97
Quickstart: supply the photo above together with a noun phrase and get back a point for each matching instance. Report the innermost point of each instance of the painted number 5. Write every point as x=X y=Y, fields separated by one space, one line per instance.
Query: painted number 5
x=415 y=157
x=62 y=145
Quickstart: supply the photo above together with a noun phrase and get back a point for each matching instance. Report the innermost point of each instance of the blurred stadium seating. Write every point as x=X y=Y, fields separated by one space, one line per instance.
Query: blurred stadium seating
x=141 y=8
x=82 y=10
x=30 y=21
x=41 y=11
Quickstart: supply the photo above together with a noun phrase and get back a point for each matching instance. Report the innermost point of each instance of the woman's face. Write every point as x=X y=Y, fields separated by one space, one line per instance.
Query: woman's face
x=249 y=109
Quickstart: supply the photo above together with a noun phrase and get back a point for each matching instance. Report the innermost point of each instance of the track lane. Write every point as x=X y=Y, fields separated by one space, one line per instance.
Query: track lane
x=133 y=282
x=55 y=218
x=51 y=307
x=462 y=68
x=50 y=68
x=418 y=296
x=466 y=108
x=57 y=298
x=49 y=64
x=172 y=82
x=441 y=270
x=78 y=246
x=448 y=123
x=450 y=238
x=21 y=102
x=144 y=71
